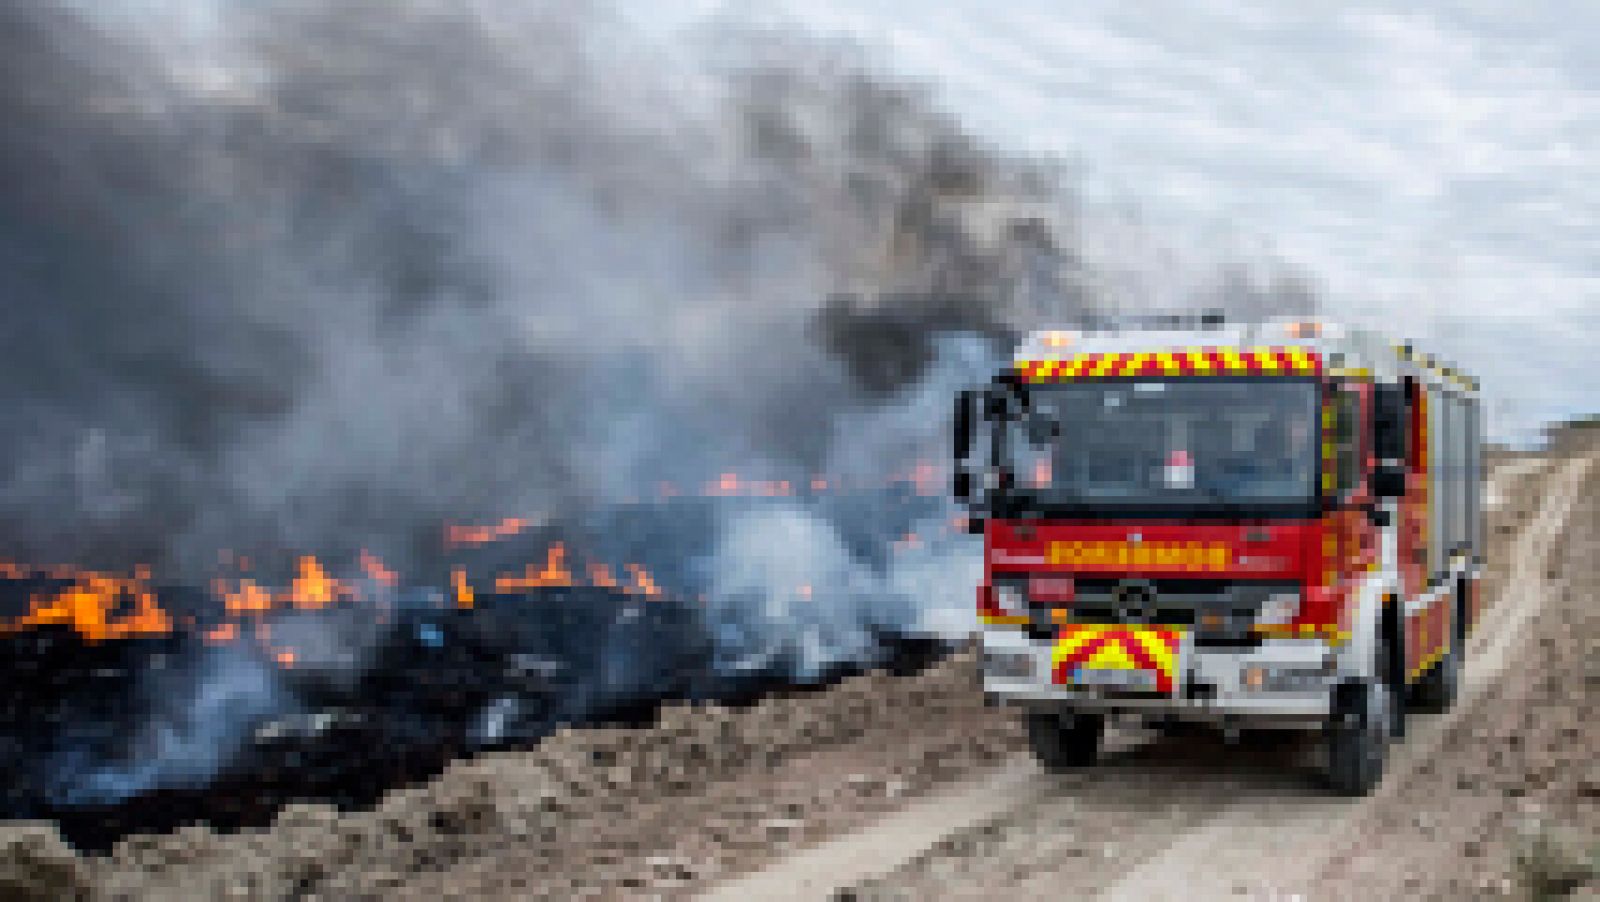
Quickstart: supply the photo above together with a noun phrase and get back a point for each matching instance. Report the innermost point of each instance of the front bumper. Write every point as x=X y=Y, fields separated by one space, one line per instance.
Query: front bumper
x=1280 y=683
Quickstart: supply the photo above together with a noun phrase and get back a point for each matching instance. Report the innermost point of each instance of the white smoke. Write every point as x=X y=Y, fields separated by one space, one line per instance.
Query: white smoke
x=789 y=591
x=196 y=723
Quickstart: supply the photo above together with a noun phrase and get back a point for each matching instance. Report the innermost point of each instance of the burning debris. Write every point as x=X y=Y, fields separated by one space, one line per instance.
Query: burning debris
x=256 y=676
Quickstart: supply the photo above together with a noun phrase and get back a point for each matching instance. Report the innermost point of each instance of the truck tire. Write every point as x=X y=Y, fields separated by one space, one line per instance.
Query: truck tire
x=1438 y=688
x=1064 y=741
x=1391 y=667
x=1358 y=736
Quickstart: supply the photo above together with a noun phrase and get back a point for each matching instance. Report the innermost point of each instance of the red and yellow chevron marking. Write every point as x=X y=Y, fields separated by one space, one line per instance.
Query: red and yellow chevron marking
x=1185 y=362
x=1117 y=647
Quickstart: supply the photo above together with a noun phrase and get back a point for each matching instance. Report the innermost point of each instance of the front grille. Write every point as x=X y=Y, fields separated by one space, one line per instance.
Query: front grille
x=1190 y=603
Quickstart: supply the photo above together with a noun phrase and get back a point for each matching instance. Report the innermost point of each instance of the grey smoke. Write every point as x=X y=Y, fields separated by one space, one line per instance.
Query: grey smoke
x=362 y=267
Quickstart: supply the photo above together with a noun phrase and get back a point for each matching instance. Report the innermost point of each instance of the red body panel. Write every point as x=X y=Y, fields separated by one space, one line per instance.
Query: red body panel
x=1325 y=556
x=1277 y=549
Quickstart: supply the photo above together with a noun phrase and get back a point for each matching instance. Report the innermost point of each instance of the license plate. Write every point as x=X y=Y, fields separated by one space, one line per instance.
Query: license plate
x=1102 y=678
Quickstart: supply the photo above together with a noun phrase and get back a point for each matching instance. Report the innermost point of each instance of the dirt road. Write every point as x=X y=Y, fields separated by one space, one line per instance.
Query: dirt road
x=1190 y=819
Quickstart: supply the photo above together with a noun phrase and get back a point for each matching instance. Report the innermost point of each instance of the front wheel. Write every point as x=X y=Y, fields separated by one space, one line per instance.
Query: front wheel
x=1064 y=741
x=1358 y=737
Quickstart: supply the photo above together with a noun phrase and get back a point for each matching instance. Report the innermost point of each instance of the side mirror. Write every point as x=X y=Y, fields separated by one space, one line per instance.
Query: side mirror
x=961 y=483
x=1389 y=480
x=963 y=425
x=1389 y=422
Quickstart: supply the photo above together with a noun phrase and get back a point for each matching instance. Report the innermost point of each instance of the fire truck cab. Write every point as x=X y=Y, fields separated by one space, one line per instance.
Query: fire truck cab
x=1250 y=525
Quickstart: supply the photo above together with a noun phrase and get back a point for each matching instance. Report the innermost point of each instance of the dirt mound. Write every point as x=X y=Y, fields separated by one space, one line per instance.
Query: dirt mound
x=530 y=801
x=36 y=865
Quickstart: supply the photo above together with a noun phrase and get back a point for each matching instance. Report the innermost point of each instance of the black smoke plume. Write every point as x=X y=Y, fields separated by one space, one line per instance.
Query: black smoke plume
x=339 y=272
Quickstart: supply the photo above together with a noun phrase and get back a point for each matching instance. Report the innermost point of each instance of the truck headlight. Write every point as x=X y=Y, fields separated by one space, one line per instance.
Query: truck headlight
x=1278 y=609
x=1287 y=678
x=1011 y=598
x=1007 y=665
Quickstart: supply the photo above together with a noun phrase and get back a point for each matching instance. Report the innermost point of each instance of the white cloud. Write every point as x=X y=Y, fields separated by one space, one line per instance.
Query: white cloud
x=1434 y=167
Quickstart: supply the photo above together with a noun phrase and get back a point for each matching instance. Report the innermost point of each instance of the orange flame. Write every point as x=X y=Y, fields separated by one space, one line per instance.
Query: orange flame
x=222 y=633
x=805 y=591
x=249 y=598
x=600 y=575
x=468 y=536
x=285 y=657
x=643 y=584
x=104 y=606
x=313 y=588
x=458 y=580
x=88 y=606
x=555 y=573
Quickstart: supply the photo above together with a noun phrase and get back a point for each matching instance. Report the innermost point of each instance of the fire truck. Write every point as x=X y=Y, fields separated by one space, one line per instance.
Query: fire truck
x=1263 y=525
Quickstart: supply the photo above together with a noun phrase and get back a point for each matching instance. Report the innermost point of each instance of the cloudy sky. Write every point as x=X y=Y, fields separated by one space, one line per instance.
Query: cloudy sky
x=1434 y=170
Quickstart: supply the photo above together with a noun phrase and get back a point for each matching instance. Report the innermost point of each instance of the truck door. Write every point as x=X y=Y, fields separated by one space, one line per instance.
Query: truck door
x=1416 y=517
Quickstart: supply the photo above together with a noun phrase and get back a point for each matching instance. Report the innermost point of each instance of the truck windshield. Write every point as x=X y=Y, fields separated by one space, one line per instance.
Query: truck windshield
x=1176 y=445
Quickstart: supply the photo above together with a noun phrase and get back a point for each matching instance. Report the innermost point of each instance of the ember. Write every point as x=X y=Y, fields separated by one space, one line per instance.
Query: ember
x=377 y=572
x=642 y=583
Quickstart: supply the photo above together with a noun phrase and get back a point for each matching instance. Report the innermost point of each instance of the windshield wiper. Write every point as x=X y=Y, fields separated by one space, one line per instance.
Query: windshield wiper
x=1215 y=496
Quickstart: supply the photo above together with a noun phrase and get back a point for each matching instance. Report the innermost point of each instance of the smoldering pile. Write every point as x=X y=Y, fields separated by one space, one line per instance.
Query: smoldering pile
x=224 y=720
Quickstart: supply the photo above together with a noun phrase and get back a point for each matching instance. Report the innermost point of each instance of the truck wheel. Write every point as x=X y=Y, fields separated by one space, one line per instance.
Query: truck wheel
x=1063 y=742
x=1437 y=690
x=1358 y=736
